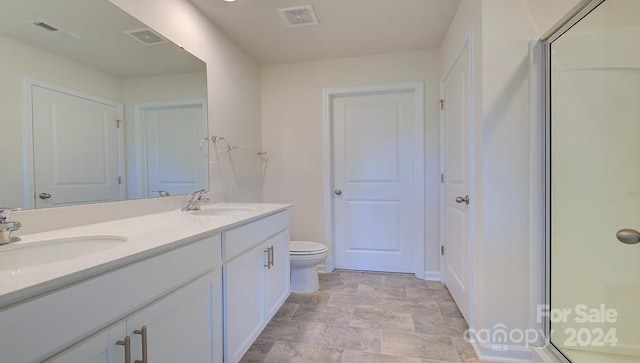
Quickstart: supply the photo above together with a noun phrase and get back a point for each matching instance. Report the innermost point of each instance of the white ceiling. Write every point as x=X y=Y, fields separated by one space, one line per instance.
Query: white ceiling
x=346 y=28
x=102 y=43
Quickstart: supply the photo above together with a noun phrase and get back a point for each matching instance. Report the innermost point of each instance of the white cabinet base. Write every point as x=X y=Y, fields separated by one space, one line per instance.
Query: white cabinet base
x=255 y=282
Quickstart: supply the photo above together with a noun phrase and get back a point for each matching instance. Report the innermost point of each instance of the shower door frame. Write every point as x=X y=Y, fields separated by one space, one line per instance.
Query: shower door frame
x=580 y=11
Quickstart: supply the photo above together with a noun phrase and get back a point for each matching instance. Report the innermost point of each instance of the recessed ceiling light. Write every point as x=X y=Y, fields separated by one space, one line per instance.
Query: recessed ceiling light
x=230 y=1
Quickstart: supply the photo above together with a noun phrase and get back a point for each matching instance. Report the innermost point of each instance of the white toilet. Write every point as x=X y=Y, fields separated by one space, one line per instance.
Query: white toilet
x=305 y=257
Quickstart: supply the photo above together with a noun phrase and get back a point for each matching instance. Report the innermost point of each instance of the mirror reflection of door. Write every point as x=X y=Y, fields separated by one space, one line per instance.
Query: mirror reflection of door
x=76 y=159
x=175 y=147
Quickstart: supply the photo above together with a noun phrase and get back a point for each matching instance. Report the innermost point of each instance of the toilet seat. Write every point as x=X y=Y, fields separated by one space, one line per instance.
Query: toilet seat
x=297 y=248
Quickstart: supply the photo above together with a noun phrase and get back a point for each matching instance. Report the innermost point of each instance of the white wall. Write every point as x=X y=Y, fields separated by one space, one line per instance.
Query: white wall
x=500 y=32
x=233 y=80
x=293 y=124
x=21 y=60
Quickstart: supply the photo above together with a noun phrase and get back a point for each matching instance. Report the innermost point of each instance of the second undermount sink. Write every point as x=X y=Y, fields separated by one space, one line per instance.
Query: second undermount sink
x=220 y=211
x=23 y=255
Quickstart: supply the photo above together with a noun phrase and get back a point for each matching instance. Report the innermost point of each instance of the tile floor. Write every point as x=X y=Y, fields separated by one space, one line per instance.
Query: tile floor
x=366 y=317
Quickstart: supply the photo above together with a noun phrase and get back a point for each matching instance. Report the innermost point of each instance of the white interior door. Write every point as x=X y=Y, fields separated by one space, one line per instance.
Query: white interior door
x=175 y=148
x=456 y=272
x=75 y=154
x=373 y=170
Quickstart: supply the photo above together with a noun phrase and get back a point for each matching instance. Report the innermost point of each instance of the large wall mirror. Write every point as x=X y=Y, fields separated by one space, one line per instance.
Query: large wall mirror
x=95 y=107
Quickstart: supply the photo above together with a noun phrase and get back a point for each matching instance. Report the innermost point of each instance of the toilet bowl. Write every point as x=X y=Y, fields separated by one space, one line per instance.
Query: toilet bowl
x=305 y=257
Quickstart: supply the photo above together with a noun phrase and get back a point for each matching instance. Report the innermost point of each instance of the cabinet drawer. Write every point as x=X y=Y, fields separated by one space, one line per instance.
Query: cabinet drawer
x=45 y=325
x=243 y=238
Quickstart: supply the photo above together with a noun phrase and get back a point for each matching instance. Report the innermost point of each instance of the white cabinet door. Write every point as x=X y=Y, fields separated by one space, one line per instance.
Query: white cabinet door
x=243 y=281
x=277 y=278
x=180 y=327
x=99 y=348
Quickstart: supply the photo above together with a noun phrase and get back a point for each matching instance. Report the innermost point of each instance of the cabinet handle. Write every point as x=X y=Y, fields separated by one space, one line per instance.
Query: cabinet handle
x=272 y=256
x=143 y=332
x=268 y=252
x=127 y=348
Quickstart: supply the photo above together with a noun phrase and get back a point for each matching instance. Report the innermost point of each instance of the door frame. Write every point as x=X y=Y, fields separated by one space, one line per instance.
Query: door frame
x=417 y=88
x=467 y=45
x=27 y=134
x=141 y=141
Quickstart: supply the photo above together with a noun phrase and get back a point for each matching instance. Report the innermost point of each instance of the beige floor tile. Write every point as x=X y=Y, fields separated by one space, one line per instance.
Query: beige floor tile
x=334 y=276
x=324 y=314
x=258 y=351
x=354 y=300
x=410 y=306
x=290 y=331
x=345 y=337
x=355 y=356
x=309 y=299
x=286 y=311
x=419 y=346
x=436 y=285
x=365 y=318
x=361 y=277
x=449 y=309
x=382 y=290
x=465 y=350
x=284 y=352
x=338 y=286
x=430 y=294
x=438 y=325
x=403 y=281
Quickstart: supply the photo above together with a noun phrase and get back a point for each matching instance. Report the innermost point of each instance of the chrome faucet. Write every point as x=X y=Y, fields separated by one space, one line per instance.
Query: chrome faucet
x=162 y=193
x=7 y=226
x=196 y=201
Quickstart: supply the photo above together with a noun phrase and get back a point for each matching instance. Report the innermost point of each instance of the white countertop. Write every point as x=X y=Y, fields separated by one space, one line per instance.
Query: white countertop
x=146 y=236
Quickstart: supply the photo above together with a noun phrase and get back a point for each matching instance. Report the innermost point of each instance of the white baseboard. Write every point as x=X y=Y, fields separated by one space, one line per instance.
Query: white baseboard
x=502 y=353
x=543 y=355
x=432 y=275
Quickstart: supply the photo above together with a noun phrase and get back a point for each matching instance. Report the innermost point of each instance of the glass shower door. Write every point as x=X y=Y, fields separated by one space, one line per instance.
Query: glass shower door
x=595 y=186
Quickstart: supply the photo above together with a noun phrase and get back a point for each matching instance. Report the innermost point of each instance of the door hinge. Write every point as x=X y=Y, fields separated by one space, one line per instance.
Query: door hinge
x=118 y=122
x=119 y=180
x=442 y=250
x=441 y=105
x=442 y=178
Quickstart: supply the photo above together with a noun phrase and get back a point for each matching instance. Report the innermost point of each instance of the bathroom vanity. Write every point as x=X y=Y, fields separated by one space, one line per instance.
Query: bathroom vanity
x=166 y=287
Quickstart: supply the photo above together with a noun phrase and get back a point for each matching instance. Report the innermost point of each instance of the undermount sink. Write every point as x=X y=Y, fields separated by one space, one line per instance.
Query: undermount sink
x=22 y=255
x=221 y=211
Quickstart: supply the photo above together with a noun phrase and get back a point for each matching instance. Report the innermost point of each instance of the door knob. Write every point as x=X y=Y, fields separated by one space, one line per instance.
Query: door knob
x=628 y=236
x=464 y=199
x=44 y=195
x=338 y=191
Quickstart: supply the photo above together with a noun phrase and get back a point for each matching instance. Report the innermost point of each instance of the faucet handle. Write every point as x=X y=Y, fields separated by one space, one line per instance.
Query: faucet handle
x=5 y=213
x=13 y=226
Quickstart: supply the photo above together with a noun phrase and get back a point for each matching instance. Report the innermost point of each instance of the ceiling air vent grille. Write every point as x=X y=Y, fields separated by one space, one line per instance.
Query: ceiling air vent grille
x=146 y=36
x=299 y=16
x=45 y=25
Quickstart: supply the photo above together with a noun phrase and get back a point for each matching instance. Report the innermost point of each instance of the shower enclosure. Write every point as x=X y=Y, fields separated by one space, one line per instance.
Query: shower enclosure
x=593 y=183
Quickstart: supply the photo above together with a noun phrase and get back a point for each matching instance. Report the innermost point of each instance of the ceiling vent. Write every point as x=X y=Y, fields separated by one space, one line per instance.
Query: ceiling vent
x=147 y=36
x=42 y=24
x=299 y=16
